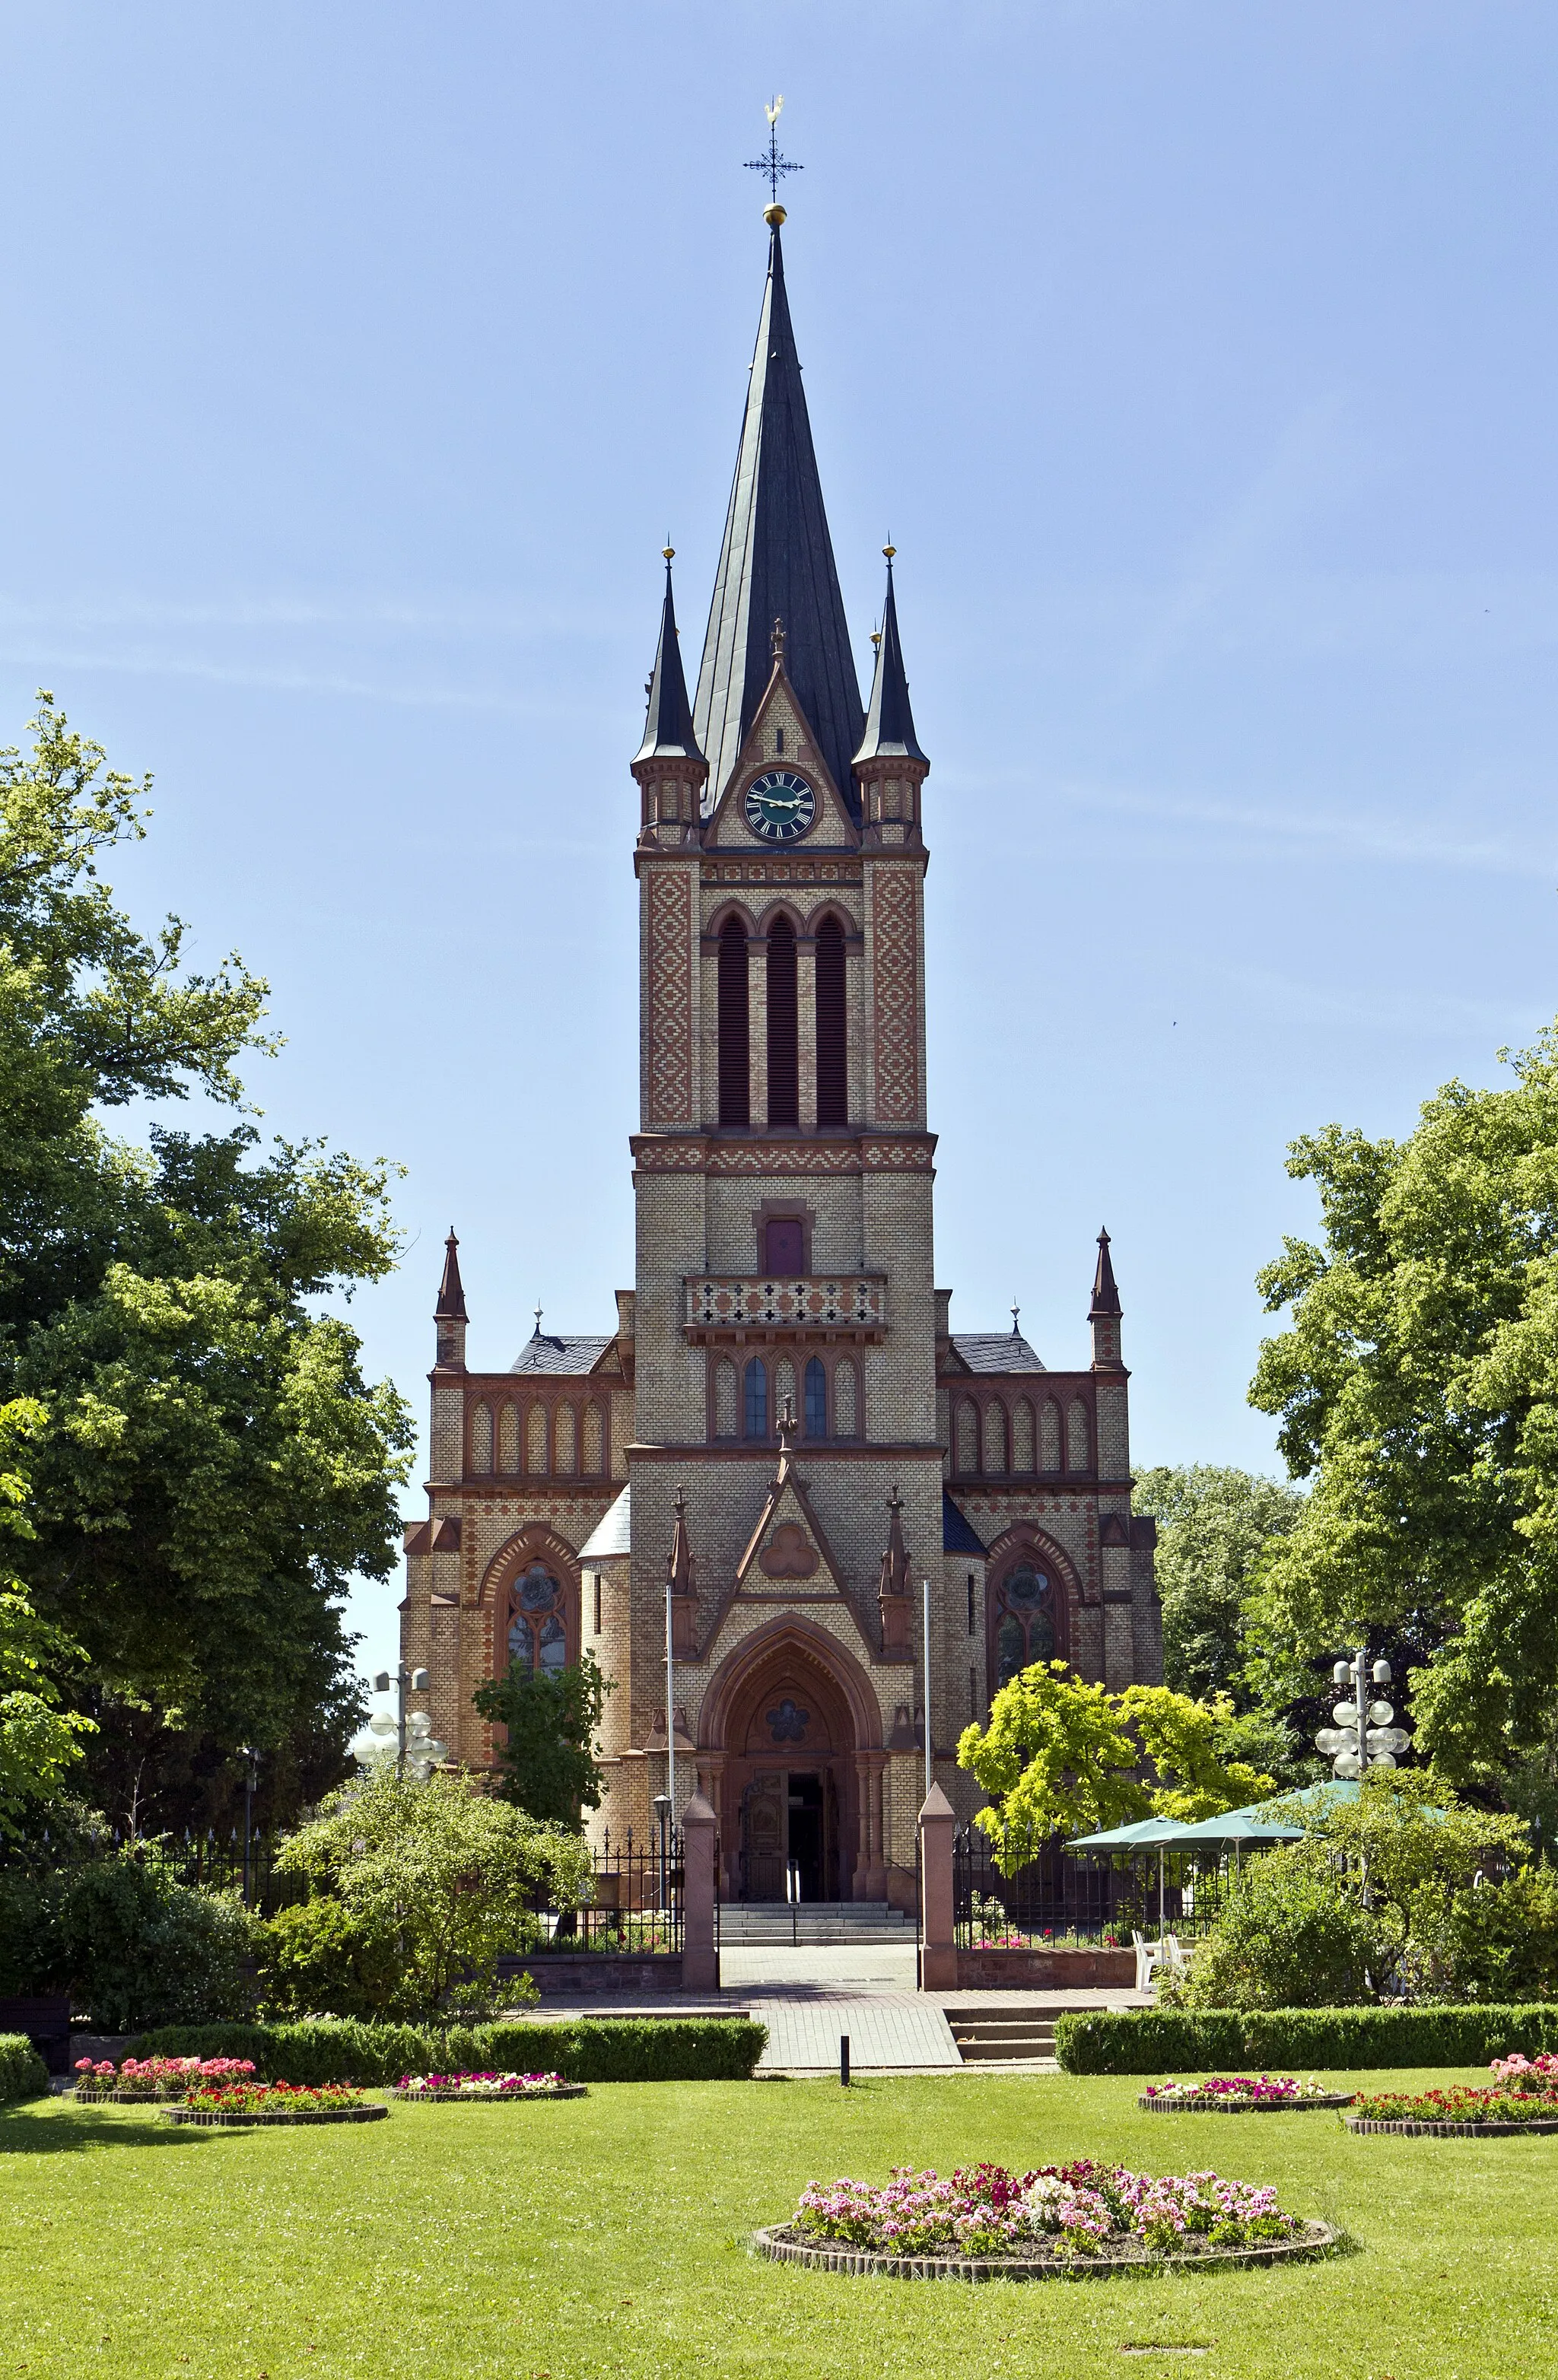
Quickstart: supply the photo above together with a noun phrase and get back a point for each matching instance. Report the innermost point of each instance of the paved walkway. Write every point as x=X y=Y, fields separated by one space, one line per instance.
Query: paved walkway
x=807 y=1996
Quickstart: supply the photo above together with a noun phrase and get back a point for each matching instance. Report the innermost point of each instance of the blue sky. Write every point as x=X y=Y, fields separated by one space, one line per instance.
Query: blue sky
x=1199 y=361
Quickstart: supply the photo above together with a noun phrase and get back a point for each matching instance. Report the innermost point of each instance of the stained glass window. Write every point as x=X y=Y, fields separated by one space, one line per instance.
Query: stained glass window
x=1025 y=1626
x=816 y=1399
x=537 y=1637
x=756 y=1399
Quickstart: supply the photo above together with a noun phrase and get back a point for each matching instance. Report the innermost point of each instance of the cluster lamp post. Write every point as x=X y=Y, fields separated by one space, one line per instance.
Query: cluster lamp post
x=1363 y=1737
x=417 y=1747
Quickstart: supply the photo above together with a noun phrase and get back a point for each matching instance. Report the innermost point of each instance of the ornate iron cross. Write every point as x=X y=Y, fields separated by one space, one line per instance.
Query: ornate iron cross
x=773 y=165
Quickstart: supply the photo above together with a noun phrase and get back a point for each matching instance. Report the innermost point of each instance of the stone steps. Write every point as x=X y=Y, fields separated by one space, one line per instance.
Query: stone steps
x=776 y=1924
x=1006 y=2037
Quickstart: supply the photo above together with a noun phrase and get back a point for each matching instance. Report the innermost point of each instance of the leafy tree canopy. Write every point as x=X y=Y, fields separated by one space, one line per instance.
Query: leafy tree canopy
x=549 y=1762
x=211 y=1466
x=1213 y=1524
x=1417 y=1387
x=38 y=1742
x=451 y=1872
x=1060 y=1755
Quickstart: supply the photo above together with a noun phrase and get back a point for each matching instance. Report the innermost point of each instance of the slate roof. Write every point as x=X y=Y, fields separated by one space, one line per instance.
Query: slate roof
x=995 y=1350
x=777 y=562
x=549 y=1352
x=611 y=1531
x=958 y=1535
x=668 y=720
x=889 y=720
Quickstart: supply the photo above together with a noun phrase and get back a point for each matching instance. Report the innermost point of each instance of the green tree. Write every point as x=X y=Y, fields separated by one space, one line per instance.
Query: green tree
x=549 y=1754
x=451 y=1872
x=210 y=1467
x=1417 y=1387
x=1292 y=1935
x=1062 y=1757
x=39 y=1742
x=1215 y=1523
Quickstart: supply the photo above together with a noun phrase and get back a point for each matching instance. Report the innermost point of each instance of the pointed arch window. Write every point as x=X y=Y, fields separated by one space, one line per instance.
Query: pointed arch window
x=832 y=1033
x=755 y=1386
x=783 y=1026
x=481 y=1439
x=735 y=1066
x=1024 y=1620
x=816 y=1399
x=538 y=1635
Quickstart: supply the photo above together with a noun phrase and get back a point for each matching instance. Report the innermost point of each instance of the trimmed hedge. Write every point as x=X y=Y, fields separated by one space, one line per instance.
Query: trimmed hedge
x=23 y=2074
x=609 y=2049
x=1181 y=2041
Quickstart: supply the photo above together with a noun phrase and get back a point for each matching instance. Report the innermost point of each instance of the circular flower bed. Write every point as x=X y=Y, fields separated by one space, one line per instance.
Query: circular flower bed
x=1524 y=2100
x=1461 y=2112
x=428 y=2087
x=1239 y=2095
x=278 y=2103
x=987 y=2224
x=156 y=2078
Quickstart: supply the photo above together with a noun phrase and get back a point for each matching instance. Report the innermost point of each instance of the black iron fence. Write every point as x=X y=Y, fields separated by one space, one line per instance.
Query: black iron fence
x=1051 y=1895
x=638 y=1905
x=224 y=1862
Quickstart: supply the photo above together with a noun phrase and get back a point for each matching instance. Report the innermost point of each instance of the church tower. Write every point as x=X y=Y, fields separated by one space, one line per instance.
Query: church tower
x=782 y=1445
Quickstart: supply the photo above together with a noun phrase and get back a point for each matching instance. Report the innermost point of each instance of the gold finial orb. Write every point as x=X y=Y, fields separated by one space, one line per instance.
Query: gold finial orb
x=889 y=551
x=668 y=552
x=774 y=214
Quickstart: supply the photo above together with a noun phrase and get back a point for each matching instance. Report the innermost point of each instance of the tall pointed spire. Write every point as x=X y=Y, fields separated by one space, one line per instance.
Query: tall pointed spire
x=668 y=730
x=1106 y=1297
x=776 y=562
x=451 y=1293
x=889 y=720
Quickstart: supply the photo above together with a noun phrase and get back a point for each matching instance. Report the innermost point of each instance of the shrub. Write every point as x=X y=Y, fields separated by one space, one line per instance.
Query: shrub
x=1291 y=1934
x=1496 y=1942
x=23 y=2074
x=627 y=2049
x=138 y=1948
x=1183 y=2041
x=318 y=1954
x=450 y=1874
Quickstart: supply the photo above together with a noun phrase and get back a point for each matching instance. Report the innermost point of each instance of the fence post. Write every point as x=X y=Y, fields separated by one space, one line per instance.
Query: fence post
x=938 y=1958
x=700 y=1957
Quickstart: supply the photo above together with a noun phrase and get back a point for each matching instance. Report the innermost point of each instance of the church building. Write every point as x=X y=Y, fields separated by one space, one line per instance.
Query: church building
x=782 y=1437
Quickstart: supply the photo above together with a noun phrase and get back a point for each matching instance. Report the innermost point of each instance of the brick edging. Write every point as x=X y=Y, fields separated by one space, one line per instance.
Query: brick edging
x=216 y=2116
x=776 y=2243
x=1210 y=2107
x=487 y=2098
x=1448 y=2131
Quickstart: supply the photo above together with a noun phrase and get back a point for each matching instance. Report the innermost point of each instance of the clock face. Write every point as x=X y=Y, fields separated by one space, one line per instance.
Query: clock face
x=780 y=806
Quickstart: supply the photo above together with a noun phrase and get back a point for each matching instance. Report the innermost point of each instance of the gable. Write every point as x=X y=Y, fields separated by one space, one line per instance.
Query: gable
x=787 y=1550
x=780 y=738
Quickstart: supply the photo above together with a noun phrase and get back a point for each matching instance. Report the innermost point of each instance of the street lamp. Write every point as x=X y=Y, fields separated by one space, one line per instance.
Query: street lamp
x=250 y=1759
x=424 y=1750
x=662 y=1807
x=1363 y=1737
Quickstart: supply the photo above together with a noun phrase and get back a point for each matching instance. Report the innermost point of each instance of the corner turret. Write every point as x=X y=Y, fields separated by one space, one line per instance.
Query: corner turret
x=890 y=766
x=669 y=768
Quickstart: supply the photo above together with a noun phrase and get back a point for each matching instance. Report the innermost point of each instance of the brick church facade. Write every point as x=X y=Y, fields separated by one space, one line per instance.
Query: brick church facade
x=783 y=1426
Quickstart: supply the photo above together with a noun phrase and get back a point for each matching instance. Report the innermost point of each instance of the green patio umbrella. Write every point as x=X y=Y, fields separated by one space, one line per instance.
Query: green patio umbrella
x=1241 y=1827
x=1142 y=1836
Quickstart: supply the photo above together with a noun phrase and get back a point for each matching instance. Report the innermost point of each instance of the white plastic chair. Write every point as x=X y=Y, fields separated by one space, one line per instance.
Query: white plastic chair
x=1174 y=1959
x=1148 y=1956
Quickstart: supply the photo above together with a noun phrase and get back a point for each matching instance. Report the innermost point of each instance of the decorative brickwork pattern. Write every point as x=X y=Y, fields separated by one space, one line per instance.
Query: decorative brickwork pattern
x=966 y=1458
x=831 y=1305
x=1078 y=1439
x=508 y=1440
x=565 y=1439
x=994 y=1436
x=535 y=1439
x=670 y=996
x=595 y=1459
x=896 y=989
x=1049 y=1435
x=1022 y=1436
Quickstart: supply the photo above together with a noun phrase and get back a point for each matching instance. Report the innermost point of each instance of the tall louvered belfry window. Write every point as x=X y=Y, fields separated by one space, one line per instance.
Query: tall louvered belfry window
x=735 y=1071
x=783 y=1026
x=833 y=1035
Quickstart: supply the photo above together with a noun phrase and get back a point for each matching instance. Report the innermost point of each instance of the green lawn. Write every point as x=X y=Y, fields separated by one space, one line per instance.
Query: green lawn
x=608 y=2235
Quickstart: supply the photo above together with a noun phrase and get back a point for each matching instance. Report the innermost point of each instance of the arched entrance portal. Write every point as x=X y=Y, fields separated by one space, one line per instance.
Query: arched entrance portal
x=788 y=1715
